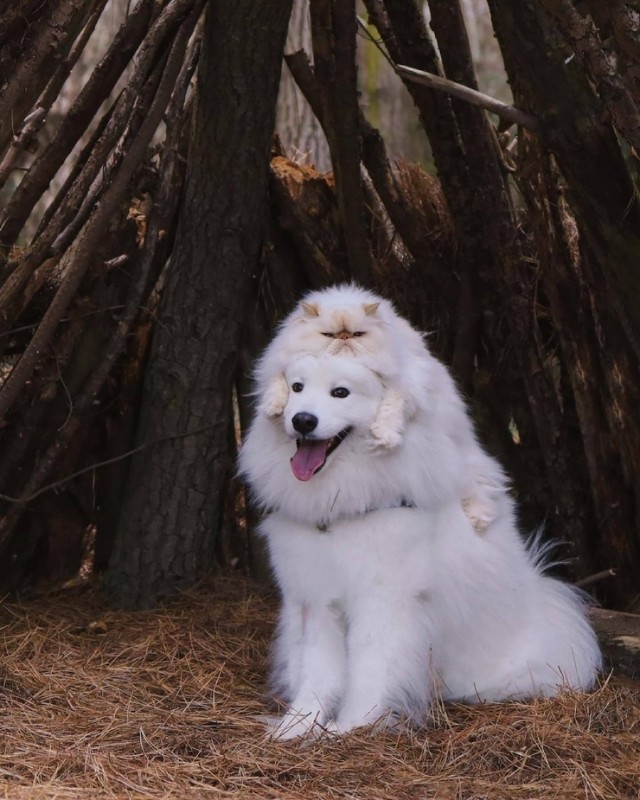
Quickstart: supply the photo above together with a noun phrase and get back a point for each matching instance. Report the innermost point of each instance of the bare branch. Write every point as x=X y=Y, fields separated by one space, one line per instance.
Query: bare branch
x=32 y=70
x=596 y=577
x=74 y=197
x=21 y=501
x=95 y=229
x=21 y=142
x=502 y=110
x=84 y=109
x=458 y=90
x=63 y=69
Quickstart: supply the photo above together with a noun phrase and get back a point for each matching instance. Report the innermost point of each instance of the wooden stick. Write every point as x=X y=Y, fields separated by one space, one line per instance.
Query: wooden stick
x=21 y=141
x=598 y=576
x=93 y=232
x=154 y=41
x=503 y=110
x=83 y=110
x=458 y=90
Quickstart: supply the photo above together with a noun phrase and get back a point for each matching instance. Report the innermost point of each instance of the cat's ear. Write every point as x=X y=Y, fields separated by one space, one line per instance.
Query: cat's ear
x=371 y=308
x=310 y=309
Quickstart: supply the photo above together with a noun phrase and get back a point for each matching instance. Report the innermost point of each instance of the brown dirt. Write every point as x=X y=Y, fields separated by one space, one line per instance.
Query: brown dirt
x=98 y=704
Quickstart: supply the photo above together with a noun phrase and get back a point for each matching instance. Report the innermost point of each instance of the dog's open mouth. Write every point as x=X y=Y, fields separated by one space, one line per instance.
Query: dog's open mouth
x=312 y=454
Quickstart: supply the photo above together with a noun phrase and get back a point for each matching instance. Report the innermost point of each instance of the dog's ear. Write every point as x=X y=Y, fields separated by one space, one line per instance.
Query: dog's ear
x=371 y=308
x=275 y=397
x=388 y=427
x=310 y=309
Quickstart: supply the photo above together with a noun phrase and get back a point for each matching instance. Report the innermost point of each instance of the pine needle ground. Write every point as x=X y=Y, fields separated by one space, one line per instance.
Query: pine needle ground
x=96 y=703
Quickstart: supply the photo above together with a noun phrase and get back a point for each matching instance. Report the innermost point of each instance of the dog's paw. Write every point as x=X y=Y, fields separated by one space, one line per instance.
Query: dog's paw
x=372 y=721
x=295 y=725
x=275 y=397
x=481 y=511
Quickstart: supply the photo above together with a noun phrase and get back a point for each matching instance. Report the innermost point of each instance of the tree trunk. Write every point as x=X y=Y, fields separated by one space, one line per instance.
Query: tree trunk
x=576 y=129
x=176 y=488
x=596 y=306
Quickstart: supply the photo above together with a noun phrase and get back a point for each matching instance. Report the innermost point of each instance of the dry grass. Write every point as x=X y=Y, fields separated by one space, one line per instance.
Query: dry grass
x=102 y=704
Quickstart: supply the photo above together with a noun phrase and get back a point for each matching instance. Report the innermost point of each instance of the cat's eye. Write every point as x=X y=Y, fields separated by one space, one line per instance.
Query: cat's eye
x=340 y=392
x=329 y=334
x=358 y=333
x=297 y=387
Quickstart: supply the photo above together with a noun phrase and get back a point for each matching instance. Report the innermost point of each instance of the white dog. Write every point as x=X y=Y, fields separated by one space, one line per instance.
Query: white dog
x=389 y=601
x=353 y=322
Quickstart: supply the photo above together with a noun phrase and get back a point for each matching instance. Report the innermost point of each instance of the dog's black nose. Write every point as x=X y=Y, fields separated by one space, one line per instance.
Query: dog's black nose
x=304 y=423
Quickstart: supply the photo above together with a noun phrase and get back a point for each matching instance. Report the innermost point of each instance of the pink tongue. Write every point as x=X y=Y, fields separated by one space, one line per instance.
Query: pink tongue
x=308 y=458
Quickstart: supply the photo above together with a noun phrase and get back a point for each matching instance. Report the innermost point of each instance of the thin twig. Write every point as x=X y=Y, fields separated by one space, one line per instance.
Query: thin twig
x=375 y=42
x=31 y=69
x=596 y=577
x=62 y=481
x=24 y=328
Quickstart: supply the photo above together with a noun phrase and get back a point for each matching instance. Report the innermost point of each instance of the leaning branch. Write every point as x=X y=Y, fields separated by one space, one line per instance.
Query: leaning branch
x=460 y=91
x=98 y=161
x=76 y=121
x=21 y=142
x=503 y=110
x=94 y=230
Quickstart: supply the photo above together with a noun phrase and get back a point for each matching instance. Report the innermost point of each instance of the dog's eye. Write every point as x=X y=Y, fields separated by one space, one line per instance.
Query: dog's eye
x=297 y=387
x=340 y=392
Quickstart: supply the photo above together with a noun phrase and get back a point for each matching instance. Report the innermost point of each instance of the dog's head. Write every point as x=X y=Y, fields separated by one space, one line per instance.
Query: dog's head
x=330 y=400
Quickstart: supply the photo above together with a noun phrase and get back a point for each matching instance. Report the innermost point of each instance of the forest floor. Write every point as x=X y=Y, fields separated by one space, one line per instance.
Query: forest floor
x=96 y=703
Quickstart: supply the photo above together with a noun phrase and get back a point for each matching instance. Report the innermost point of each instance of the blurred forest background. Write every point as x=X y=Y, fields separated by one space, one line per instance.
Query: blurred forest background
x=153 y=230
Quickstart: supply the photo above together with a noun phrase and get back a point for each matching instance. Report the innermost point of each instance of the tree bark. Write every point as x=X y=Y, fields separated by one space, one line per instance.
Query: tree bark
x=576 y=129
x=176 y=491
x=300 y=132
x=333 y=28
x=40 y=48
x=74 y=123
x=596 y=310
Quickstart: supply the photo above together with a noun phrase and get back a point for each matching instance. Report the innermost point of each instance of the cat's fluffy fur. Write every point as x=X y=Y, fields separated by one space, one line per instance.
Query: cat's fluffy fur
x=352 y=322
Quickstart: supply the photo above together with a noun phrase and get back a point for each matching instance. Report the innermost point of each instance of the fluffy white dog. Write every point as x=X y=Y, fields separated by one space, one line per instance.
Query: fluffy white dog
x=390 y=600
x=350 y=321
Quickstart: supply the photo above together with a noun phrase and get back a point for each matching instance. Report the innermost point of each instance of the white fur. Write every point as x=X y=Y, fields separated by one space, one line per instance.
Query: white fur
x=386 y=606
x=414 y=380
